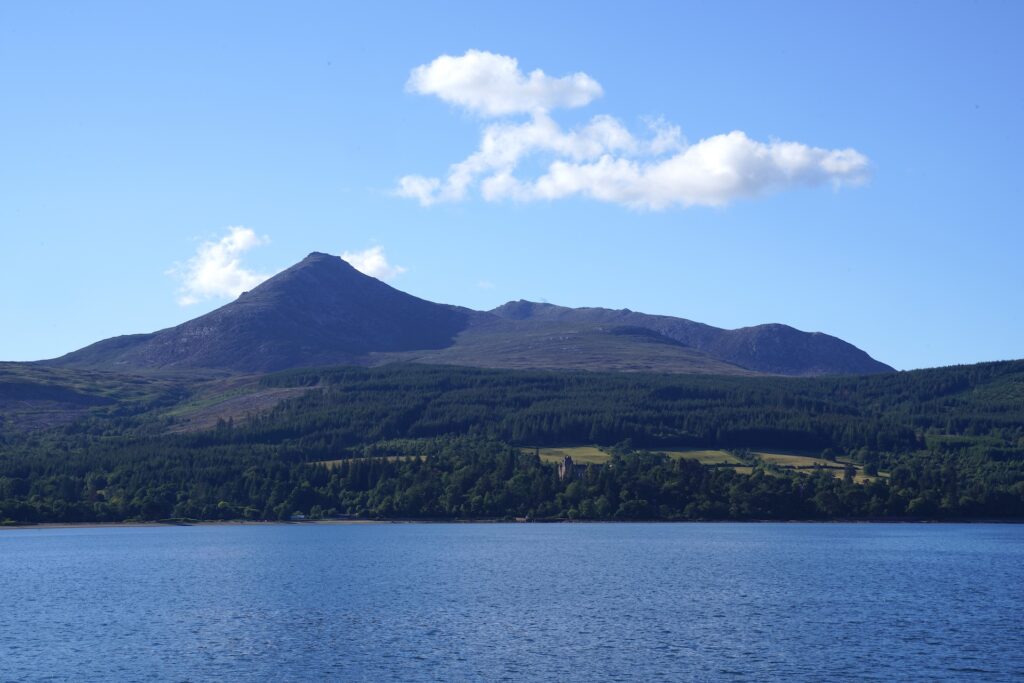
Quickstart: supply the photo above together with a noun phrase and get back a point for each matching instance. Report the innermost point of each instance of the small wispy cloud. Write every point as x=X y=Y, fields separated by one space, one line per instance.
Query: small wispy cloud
x=373 y=262
x=601 y=159
x=216 y=271
x=492 y=85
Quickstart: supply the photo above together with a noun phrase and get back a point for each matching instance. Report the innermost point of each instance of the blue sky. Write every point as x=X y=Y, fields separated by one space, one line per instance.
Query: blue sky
x=134 y=135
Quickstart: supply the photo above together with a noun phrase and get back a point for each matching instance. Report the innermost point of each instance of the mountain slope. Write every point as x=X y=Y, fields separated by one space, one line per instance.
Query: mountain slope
x=775 y=349
x=509 y=344
x=323 y=311
x=319 y=311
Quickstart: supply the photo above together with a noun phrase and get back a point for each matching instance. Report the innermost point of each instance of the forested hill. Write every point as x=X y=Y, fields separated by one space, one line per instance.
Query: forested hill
x=942 y=443
x=979 y=406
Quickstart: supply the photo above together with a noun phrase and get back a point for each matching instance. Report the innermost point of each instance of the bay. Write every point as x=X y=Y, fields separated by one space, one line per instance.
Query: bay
x=802 y=602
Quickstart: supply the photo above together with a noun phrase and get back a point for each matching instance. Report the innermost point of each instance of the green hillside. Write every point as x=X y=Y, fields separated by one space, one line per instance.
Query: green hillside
x=80 y=445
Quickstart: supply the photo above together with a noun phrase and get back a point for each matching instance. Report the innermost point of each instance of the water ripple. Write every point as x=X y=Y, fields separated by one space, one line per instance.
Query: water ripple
x=660 y=602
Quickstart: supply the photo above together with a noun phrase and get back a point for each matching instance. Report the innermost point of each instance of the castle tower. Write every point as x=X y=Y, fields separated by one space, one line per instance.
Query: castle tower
x=566 y=469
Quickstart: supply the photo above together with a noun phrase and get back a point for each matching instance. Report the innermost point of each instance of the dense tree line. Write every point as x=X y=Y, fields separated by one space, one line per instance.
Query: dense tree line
x=429 y=442
x=465 y=478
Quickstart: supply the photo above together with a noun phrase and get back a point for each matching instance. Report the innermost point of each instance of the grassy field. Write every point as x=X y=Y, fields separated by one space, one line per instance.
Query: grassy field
x=594 y=455
x=579 y=454
x=706 y=457
x=803 y=464
x=807 y=464
x=797 y=461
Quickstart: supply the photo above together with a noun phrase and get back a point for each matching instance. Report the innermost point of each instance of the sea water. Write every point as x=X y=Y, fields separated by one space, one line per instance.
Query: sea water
x=586 y=602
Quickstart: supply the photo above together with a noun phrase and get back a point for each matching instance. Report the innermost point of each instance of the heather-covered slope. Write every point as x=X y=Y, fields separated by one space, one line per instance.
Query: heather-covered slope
x=319 y=311
x=555 y=345
x=775 y=349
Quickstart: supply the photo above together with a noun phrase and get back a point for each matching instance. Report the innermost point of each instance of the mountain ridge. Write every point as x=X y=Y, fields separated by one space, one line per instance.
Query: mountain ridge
x=814 y=352
x=323 y=311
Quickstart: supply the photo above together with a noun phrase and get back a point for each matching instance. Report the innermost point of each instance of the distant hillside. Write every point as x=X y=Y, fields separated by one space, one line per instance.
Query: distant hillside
x=555 y=345
x=775 y=349
x=323 y=311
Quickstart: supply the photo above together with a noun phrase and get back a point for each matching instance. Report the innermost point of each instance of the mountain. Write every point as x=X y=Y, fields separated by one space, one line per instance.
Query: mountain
x=493 y=342
x=775 y=349
x=320 y=311
x=323 y=311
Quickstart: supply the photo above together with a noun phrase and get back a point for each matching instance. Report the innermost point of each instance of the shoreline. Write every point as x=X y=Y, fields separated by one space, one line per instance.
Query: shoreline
x=354 y=522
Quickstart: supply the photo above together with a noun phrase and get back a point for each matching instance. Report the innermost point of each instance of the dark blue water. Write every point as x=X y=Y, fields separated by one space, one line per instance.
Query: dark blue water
x=514 y=602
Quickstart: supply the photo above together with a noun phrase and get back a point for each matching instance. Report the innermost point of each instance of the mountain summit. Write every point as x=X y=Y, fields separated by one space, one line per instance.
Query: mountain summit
x=322 y=311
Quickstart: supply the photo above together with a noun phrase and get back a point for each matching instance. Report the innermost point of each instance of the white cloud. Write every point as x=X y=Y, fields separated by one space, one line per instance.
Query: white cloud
x=216 y=270
x=493 y=85
x=602 y=159
x=504 y=145
x=373 y=262
x=418 y=187
x=667 y=137
x=713 y=172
